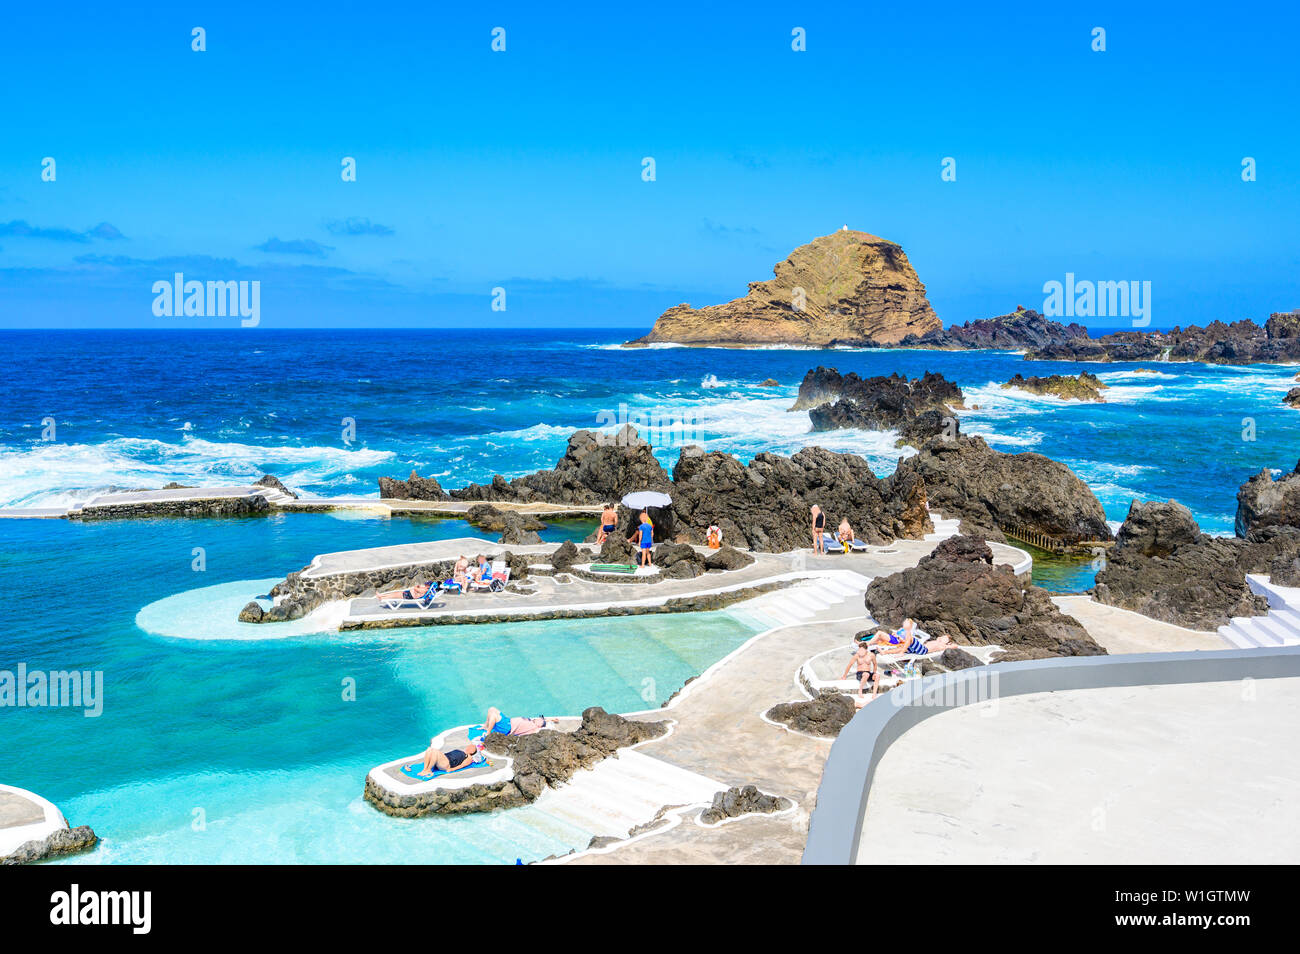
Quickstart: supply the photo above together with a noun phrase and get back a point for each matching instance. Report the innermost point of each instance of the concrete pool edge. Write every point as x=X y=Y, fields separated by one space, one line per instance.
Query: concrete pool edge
x=837 y=821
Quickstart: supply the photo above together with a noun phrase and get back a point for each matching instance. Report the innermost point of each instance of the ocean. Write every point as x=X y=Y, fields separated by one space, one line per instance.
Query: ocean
x=217 y=747
x=330 y=412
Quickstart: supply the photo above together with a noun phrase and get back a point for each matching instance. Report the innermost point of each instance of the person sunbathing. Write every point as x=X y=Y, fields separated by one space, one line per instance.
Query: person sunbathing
x=845 y=534
x=905 y=640
x=865 y=661
x=451 y=760
x=608 y=522
x=414 y=593
x=483 y=570
x=519 y=725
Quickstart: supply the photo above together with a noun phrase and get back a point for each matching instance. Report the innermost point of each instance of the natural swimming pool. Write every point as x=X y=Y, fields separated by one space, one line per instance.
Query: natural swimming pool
x=213 y=750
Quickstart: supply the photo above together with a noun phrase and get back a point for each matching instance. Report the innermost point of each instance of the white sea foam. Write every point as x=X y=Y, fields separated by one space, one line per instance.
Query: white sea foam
x=55 y=474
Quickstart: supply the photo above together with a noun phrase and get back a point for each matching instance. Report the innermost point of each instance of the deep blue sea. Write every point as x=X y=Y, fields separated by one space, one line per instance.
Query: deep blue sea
x=331 y=411
x=251 y=737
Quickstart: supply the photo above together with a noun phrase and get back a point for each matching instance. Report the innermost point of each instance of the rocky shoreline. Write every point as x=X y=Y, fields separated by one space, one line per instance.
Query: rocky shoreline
x=57 y=844
x=1277 y=341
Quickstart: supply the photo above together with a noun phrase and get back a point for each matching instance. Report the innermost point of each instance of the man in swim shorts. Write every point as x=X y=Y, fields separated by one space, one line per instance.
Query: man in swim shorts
x=496 y=722
x=608 y=522
x=865 y=661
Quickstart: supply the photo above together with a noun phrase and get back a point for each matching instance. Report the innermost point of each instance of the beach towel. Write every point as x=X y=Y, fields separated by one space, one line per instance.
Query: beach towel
x=412 y=770
x=612 y=568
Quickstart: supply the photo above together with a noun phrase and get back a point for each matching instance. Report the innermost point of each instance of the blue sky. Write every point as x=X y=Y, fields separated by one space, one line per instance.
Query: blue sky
x=522 y=169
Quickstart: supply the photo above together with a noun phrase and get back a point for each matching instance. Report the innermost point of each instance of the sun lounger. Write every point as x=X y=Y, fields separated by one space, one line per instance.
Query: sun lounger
x=416 y=602
x=833 y=545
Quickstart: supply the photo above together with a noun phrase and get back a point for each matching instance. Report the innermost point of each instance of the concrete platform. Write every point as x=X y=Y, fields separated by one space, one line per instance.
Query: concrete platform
x=587 y=597
x=1123 y=631
x=25 y=816
x=1167 y=774
x=277 y=501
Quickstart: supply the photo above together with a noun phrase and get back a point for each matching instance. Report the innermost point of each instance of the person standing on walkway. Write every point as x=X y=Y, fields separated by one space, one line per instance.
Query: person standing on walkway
x=818 y=526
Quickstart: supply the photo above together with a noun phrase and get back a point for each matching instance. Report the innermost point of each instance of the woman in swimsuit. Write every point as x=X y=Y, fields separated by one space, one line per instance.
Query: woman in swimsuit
x=818 y=525
x=905 y=640
x=452 y=760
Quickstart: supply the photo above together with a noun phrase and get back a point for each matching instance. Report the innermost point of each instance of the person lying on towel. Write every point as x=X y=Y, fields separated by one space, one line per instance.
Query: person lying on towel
x=496 y=722
x=905 y=640
x=452 y=760
x=414 y=593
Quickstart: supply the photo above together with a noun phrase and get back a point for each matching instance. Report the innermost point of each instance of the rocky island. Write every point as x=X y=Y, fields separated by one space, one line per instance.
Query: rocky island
x=846 y=288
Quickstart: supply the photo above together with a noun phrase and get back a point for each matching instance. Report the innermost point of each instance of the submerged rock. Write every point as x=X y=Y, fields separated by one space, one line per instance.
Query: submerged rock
x=989 y=490
x=954 y=591
x=1084 y=387
x=848 y=287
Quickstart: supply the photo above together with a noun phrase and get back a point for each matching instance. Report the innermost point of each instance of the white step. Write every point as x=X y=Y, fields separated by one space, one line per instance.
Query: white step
x=1234 y=637
x=782 y=615
x=1276 y=627
x=1287 y=617
x=1253 y=635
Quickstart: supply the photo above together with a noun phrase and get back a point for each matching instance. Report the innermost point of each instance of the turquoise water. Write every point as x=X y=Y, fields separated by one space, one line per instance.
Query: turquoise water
x=254 y=739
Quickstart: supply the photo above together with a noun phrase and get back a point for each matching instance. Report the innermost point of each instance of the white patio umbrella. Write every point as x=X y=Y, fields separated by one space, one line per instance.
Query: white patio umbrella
x=646 y=498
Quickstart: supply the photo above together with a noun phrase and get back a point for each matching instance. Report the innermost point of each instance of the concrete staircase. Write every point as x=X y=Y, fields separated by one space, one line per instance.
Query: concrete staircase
x=943 y=528
x=1280 y=626
x=619 y=794
x=839 y=591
